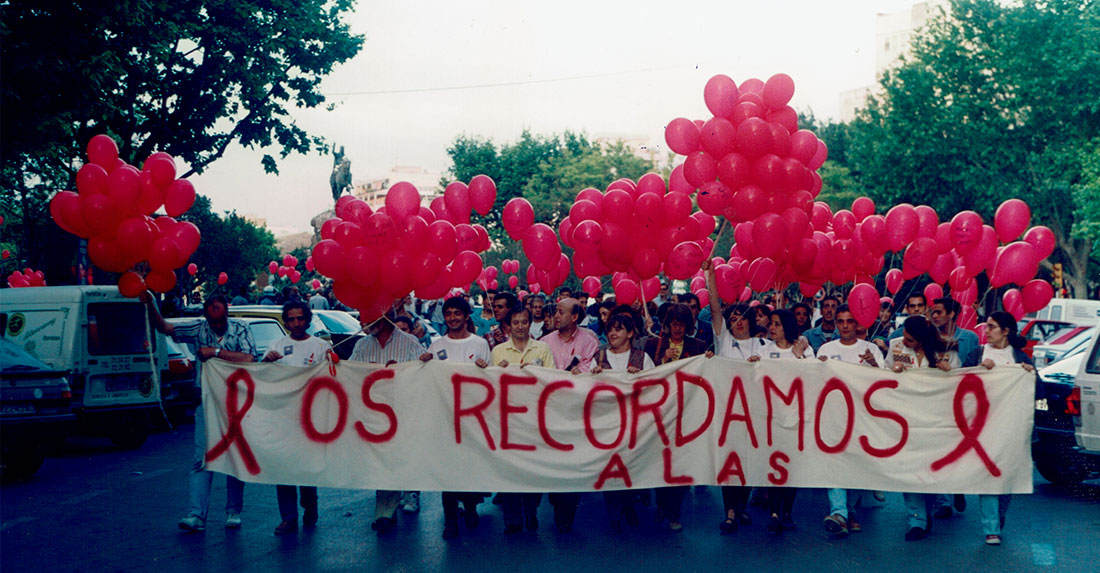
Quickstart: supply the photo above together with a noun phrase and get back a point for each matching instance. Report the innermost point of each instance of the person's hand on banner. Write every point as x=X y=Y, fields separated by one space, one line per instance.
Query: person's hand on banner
x=754 y=358
x=426 y=357
x=271 y=356
x=596 y=369
x=504 y=364
x=1028 y=367
x=868 y=358
x=633 y=369
x=988 y=363
x=481 y=363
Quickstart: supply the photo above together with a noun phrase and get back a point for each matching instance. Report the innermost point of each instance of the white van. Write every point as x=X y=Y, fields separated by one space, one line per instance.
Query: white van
x=1084 y=401
x=1076 y=310
x=103 y=341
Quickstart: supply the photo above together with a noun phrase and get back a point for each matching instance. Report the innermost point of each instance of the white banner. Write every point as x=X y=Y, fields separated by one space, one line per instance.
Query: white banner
x=439 y=426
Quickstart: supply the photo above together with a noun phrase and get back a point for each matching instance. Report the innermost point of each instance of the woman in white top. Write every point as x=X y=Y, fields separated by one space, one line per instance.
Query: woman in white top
x=1003 y=347
x=621 y=355
x=784 y=344
x=919 y=347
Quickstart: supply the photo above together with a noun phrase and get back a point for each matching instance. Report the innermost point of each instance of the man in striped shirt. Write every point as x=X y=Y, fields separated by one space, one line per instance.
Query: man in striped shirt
x=388 y=345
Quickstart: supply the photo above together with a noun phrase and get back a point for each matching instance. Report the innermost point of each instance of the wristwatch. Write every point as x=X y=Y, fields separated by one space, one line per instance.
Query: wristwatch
x=217 y=352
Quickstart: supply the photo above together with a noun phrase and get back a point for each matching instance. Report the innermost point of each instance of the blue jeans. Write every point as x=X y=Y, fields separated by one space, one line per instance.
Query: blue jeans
x=918 y=508
x=993 y=508
x=201 y=479
x=841 y=499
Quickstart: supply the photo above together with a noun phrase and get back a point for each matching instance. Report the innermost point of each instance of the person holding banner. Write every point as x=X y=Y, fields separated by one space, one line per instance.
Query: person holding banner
x=460 y=346
x=1003 y=347
x=734 y=330
x=573 y=349
x=301 y=349
x=826 y=331
x=519 y=349
x=217 y=336
x=919 y=347
x=841 y=519
x=621 y=355
x=388 y=345
x=785 y=344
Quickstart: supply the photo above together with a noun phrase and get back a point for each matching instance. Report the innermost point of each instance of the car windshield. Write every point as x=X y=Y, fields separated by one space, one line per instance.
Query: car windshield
x=1044 y=330
x=117 y=328
x=339 y=322
x=15 y=359
x=318 y=327
x=264 y=333
x=1060 y=333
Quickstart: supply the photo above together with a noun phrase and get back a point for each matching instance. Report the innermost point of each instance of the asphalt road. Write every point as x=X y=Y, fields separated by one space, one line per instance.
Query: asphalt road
x=98 y=508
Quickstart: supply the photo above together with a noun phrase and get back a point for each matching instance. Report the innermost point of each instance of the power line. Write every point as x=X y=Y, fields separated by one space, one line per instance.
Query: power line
x=501 y=84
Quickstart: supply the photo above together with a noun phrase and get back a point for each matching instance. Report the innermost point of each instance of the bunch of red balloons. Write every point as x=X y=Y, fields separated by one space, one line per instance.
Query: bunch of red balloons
x=26 y=278
x=488 y=278
x=376 y=257
x=634 y=231
x=287 y=268
x=511 y=267
x=112 y=210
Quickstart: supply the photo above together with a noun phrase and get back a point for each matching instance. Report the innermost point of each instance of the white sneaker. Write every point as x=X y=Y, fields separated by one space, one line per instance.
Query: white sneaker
x=192 y=523
x=233 y=521
x=410 y=502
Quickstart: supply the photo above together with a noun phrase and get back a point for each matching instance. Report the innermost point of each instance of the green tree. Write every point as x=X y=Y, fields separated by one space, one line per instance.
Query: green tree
x=230 y=244
x=188 y=78
x=995 y=101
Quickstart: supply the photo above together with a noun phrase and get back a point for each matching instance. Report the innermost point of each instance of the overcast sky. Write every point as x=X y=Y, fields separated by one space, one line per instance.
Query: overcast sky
x=429 y=71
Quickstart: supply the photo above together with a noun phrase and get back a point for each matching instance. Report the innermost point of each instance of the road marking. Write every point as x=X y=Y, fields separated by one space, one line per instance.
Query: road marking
x=17 y=521
x=151 y=474
x=1042 y=554
x=83 y=498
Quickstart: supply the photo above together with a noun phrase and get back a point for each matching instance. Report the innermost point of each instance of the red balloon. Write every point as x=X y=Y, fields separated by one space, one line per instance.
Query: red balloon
x=192 y=269
x=967 y=296
x=402 y=200
x=919 y=257
x=720 y=95
x=178 y=197
x=966 y=231
x=1016 y=263
x=982 y=256
x=131 y=285
x=187 y=237
x=540 y=244
x=101 y=214
x=165 y=255
x=162 y=168
x=902 y=225
x=932 y=291
x=682 y=136
x=754 y=138
x=152 y=197
x=699 y=168
x=968 y=319
x=518 y=217
x=161 y=280
x=945 y=265
x=67 y=211
x=778 y=90
x=677 y=182
x=650 y=183
x=91 y=179
x=103 y=151
x=483 y=194
x=928 y=221
x=1014 y=303
x=1042 y=238
x=361 y=266
x=785 y=117
x=761 y=274
x=844 y=224
x=718 y=136
x=513 y=282
x=223 y=278
x=863 y=207
x=819 y=157
x=395 y=272
x=105 y=254
x=894 y=280
x=1012 y=218
x=456 y=197
x=803 y=145
x=627 y=291
x=769 y=234
x=1036 y=294
x=863 y=300
x=873 y=232
x=587 y=237
x=328 y=257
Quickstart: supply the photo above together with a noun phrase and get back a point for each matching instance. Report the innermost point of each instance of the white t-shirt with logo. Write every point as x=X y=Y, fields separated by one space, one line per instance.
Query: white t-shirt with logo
x=730 y=347
x=772 y=351
x=837 y=350
x=621 y=360
x=466 y=350
x=301 y=352
x=999 y=356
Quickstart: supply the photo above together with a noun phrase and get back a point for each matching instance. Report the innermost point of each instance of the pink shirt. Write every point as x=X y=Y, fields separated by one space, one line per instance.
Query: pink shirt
x=583 y=347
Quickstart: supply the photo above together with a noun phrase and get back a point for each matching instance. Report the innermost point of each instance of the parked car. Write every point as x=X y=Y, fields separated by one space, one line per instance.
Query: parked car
x=1060 y=343
x=36 y=411
x=179 y=388
x=1035 y=331
x=1083 y=403
x=316 y=328
x=1074 y=310
x=344 y=330
x=100 y=339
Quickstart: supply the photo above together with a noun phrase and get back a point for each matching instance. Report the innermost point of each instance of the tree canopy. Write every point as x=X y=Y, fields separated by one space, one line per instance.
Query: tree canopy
x=994 y=101
x=230 y=244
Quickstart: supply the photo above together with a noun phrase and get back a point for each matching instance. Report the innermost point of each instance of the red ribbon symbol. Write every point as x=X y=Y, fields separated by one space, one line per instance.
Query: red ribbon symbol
x=235 y=433
x=971 y=384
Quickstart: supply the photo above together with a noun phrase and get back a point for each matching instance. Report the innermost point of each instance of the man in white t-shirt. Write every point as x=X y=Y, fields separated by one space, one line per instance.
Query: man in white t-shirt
x=459 y=345
x=849 y=349
x=297 y=349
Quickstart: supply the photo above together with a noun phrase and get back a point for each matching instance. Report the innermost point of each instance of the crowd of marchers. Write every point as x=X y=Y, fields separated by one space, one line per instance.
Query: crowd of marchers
x=571 y=333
